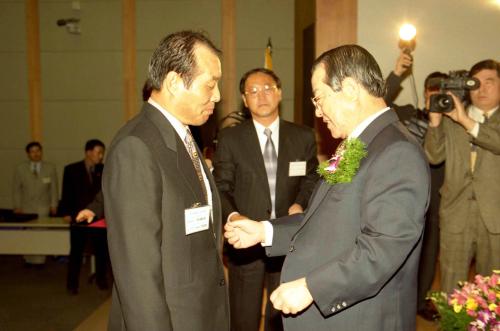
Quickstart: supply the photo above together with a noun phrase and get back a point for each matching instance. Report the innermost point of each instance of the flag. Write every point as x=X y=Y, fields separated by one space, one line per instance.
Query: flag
x=268 y=57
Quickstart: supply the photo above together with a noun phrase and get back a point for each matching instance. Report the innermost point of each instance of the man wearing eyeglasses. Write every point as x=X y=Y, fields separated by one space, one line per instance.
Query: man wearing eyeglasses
x=352 y=257
x=264 y=168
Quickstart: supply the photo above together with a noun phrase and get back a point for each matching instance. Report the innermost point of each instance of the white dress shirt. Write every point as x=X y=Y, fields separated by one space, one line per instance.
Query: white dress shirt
x=181 y=130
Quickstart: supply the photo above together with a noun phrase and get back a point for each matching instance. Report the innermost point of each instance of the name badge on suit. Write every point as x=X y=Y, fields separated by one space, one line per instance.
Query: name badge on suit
x=196 y=219
x=297 y=168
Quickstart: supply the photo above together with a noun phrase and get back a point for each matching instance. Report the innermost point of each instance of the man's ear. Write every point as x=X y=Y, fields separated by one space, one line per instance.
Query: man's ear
x=244 y=98
x=173 y=83
x=351 y=88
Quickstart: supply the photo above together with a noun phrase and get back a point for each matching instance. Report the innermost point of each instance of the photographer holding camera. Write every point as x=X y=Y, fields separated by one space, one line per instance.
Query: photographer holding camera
x=468 y=139
x=416 y=120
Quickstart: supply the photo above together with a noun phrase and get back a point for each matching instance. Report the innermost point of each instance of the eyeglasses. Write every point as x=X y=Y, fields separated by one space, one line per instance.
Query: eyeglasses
x=267 y=89
x=315 y=101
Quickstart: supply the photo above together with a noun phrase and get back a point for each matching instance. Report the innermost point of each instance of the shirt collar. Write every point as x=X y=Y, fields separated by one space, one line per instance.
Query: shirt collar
x=274 y=126
x=358 y=130
x=478 y=115
x=180 y=128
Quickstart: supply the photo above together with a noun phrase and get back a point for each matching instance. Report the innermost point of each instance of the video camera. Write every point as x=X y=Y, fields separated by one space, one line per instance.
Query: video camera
x=459 y=83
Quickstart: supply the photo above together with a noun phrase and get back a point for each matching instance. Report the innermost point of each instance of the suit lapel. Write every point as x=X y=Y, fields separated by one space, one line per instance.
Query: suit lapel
x=367 y=136
x=186 y=168
x=173 y=141
x=283 y=155
x=252 y=148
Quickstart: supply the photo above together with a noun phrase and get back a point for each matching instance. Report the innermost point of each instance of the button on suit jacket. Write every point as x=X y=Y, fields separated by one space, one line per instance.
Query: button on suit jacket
x=358 y=243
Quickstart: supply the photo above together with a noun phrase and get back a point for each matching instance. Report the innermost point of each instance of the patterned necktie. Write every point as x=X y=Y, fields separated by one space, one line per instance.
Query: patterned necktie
x=473 y=151
x=193 y=153
x=34 y=169
x=271 y=164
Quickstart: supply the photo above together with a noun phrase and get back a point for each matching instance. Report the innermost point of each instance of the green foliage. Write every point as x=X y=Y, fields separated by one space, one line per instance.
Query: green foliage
x=350 y=158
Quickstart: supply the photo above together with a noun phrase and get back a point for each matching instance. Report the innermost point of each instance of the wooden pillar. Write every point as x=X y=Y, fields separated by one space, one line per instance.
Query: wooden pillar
x=129 y=59
x=336 y=24
x=228 y=94
x=33 y=58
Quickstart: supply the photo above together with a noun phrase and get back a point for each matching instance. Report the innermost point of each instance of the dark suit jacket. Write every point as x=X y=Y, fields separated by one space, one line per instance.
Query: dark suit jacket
x=358 y=243
x=241 y=177
x=164 y=279
x=77 y=188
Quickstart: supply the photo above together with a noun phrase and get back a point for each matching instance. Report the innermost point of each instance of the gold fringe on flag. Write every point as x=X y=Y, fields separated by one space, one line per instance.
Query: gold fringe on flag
x=268 y=57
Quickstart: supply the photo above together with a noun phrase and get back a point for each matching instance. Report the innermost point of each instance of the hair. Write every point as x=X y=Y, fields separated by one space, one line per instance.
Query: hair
x=485 y=64
x=435 y=74
x=32 y=144
x=93 y=143
x=355 y=62
x=176 y=53
x=264 y=71
x=146 y=90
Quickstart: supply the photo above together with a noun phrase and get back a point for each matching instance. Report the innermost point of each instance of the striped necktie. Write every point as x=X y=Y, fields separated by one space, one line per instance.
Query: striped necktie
x=271 y=164
x=193 y=153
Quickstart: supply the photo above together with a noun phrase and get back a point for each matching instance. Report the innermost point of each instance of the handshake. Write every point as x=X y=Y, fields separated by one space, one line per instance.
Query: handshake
x=291 y=297
x=244 y=233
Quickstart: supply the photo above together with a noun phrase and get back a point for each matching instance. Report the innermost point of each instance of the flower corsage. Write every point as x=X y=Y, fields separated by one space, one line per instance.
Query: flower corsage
x=344 y=164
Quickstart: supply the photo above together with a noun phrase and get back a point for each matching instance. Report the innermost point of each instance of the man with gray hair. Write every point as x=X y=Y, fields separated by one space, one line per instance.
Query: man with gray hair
x=161 y=203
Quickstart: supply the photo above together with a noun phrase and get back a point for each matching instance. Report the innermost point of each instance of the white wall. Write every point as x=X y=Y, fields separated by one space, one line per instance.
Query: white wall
x=451 y=35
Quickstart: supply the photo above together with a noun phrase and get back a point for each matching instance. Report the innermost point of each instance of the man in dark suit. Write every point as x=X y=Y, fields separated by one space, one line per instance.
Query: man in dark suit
x=248 y=190
x=162 y=207
x=81 y=183
x=352 y=257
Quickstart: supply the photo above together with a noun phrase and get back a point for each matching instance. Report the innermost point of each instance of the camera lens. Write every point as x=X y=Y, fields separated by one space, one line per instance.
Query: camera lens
x=444 y=102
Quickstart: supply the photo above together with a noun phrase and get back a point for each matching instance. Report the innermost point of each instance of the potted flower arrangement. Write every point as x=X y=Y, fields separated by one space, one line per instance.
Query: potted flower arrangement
x=473 y=307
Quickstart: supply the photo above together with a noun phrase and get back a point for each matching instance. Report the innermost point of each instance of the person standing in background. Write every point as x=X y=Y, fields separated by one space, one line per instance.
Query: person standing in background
x=264 y=168
x=35 y=190
x=81 y=183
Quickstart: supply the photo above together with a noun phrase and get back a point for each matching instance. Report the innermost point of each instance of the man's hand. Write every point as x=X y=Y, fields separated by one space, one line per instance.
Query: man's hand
x=459 y=115
x=295 y=209
x=244 y=233
x=236 y=217
x=85 y=215
x=18 y=211
x=403 y=63
x=435 y=119
x=53 y=211
x=292 y=297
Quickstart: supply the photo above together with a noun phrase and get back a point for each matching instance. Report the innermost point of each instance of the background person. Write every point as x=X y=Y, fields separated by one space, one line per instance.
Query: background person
x=81 y=183
x=35 y=190
x=261 y=177
x=468 y=139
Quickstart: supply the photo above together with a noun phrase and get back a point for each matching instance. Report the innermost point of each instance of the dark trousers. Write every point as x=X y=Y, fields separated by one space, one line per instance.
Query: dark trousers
x=430 y=244
x=249 y=270
x=79 y=235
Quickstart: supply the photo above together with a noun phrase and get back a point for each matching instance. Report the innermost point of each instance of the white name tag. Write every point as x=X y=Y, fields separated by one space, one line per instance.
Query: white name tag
x=297 y=168
x=46 y=180
x=196 y=219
